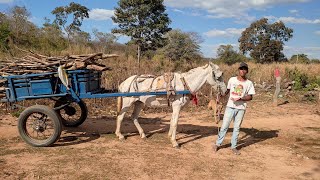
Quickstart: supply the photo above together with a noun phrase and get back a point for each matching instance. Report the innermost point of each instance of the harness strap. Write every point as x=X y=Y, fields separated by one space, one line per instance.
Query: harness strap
x=193 y=95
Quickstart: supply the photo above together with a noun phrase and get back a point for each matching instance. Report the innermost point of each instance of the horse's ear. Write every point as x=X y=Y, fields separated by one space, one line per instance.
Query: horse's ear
x=204 y=67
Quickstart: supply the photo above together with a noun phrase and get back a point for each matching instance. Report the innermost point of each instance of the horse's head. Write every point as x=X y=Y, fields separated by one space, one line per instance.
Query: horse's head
x=215 y=78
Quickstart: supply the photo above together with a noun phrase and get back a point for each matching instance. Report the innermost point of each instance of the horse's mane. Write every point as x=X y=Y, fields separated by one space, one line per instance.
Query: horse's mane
x=193 y=70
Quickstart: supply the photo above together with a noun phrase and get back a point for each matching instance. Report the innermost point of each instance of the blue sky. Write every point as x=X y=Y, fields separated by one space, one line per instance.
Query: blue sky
x=217 y=21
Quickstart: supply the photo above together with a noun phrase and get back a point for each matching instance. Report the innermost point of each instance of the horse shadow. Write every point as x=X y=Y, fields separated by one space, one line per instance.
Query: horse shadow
x=94 y=128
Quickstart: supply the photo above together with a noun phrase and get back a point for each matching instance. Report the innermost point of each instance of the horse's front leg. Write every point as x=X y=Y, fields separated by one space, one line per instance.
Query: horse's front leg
x=137 y=108
x=119 y=121
x=174 y=124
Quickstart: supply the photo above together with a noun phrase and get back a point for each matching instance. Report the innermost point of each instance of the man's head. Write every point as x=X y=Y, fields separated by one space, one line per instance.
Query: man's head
x=243 y=69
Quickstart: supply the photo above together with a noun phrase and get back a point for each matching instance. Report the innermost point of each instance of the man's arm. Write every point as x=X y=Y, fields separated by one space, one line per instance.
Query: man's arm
x=226 y=93
x=246 y=98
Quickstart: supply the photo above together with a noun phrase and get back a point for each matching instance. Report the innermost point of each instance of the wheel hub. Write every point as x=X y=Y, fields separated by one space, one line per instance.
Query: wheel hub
x=70 y=111
x=39 y=126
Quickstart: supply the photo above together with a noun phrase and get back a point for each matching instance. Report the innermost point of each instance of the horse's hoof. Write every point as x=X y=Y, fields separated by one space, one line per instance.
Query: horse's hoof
x=176 y=146
x=143 y=136
x=122 y=139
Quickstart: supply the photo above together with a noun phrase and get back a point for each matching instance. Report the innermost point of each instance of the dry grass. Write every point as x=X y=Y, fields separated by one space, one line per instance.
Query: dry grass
x=264 y=72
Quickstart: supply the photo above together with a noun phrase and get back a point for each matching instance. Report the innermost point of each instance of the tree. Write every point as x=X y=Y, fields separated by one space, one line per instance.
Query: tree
x=20 y=26
x=62 y=13
x=299 y=58
x=182 y=46
x=104 y=39
x=265 y=41
x=4 y=33
x=51 y=37
x=228 y=55
x=145 y=21
x=81 y=37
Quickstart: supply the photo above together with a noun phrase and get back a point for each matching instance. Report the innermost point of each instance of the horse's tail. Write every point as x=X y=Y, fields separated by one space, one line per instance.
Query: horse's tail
x=119 y=104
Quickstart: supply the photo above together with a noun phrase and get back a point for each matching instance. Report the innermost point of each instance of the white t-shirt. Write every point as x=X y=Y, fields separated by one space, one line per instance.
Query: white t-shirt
x=239 y=89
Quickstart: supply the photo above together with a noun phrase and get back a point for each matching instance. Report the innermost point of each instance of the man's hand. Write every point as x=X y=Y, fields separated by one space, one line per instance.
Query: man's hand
x=235 y=99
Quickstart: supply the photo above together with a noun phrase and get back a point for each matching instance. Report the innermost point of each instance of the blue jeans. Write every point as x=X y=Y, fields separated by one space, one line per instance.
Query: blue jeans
x=229 y=114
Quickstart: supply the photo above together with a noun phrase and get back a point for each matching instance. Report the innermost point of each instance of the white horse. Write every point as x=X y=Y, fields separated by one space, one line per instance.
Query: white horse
x=194 y=80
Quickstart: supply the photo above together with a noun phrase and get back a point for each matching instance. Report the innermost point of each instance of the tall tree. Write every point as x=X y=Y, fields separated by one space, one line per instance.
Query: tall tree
x=52 y=37
x=145 y=21
x=104 y=39
x=182 y=45
x=299 y=58
x=228 y=55
x=63 y=13
x=265 y=41
x=19 y=24
x=4 y=32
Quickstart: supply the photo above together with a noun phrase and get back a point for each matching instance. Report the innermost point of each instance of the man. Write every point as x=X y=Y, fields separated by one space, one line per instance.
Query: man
x=241 y=90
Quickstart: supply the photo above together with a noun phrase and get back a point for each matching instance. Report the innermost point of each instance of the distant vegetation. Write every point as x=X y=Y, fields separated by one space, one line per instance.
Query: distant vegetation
x=162 y=48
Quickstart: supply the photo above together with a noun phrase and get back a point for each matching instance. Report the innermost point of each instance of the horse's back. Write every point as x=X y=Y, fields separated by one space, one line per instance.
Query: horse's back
x=125 y=85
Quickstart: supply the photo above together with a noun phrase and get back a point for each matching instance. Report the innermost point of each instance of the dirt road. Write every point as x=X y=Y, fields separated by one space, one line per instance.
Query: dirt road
x=276 y=143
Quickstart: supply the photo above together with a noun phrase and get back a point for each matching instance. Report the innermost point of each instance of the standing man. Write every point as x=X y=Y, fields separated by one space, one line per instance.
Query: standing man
x=241 y=90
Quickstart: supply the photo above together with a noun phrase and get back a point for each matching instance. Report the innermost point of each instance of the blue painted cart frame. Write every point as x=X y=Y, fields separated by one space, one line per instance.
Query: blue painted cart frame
x=83 y=84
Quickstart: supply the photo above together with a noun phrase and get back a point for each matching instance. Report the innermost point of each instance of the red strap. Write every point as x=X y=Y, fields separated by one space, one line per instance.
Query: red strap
x=194 y=99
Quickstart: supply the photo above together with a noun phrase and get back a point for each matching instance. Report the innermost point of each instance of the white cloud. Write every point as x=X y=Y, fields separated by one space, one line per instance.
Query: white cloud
x=6 y=1
x=317 y=32
x=293 y=11
x=294 y=20
x=228 y=9
x=101 y=14
x=178 y=10
x=229 y=32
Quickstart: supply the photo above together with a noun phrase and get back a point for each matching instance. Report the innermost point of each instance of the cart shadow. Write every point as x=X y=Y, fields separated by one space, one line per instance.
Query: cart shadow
x=94 y=128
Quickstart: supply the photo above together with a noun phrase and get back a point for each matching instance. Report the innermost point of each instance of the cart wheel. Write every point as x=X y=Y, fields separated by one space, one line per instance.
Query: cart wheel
x=73 y=114
x=39 y=126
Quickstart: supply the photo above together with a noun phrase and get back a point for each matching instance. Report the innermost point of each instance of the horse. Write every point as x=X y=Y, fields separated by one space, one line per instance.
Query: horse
x=192 y=80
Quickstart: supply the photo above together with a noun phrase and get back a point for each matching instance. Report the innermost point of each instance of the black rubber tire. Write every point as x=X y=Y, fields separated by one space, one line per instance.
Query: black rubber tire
x=76 y=122
x=50 y=113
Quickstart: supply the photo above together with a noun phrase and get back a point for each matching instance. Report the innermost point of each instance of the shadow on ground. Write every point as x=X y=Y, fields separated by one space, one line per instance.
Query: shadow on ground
x=94 y=128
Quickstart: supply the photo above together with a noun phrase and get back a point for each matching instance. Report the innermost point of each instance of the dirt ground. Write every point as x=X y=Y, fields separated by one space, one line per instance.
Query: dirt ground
x=276 y=143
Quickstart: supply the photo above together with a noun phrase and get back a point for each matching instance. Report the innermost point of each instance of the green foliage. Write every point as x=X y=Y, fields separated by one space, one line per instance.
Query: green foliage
x=228 y=55
x=4 y=35
x=63 y=13
x=144 y=21
x=182 y=46
x=265 y=41
x=301 y=79
x=300 y=58
x=51 y=38
x=103 y=40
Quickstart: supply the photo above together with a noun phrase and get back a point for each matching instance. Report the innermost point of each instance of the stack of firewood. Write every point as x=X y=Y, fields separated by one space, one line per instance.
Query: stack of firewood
x=2 y=88
x=36 y=63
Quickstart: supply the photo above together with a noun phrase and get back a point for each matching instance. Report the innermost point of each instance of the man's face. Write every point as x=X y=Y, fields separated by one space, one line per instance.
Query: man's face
x=243 y=71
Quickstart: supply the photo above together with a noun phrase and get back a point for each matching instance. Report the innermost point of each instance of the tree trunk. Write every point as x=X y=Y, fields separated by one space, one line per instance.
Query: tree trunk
x=277 y=91
x=139 y=56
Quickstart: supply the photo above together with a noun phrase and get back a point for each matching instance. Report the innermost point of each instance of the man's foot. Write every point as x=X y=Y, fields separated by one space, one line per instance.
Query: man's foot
x=215 y=148
x=236 y=151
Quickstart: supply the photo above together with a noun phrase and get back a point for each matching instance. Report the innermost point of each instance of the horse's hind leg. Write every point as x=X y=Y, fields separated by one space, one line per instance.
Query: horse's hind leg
x=136 y=111
x=119 y=121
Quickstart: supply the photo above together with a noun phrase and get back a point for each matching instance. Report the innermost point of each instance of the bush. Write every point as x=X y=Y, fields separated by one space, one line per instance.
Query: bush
x=301 y=79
